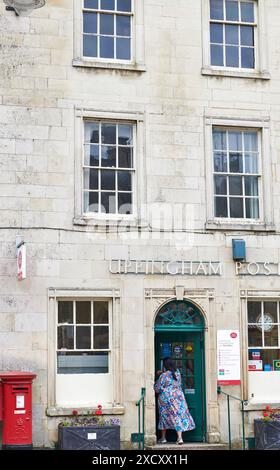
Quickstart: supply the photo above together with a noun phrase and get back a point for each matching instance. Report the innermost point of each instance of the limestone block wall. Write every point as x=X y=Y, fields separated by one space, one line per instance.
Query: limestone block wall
x=39 y=91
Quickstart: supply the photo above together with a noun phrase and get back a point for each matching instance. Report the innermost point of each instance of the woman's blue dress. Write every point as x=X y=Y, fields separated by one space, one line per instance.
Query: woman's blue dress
x=173 y=408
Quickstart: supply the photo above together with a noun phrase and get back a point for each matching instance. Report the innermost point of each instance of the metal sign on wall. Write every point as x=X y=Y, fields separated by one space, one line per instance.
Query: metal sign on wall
x=228 y=357
x=152 y=267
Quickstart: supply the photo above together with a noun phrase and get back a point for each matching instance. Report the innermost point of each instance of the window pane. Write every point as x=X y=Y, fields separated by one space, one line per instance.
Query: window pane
x=247 y=35
x=251 y=141
x=123 y=25
x=82 y=363
x=65 y=312
x=108 y=156
x=89 y=46
x=220 y=162
x=92 y=132
x=101 y=313
x=268 y=356
x=124 y=5
x=125 y=157
x=216 y=33
x=221 y=207
x=124 y=181
x=90 y=179
x=108 y=180
x=216 y=10
x=254 y=336
x=247 y=12
x=236 y=208
x=108 y=203
x=101 y=337
x=251 y=186
x=83 y=312
x=220 y=184
x=270 y=310
x=235 y=185
x=90 y=22
x=108 y=133
x=232 y=56
x=251 y=163
x=91 y=4
x=252 y=208
x=254 y=312
x=106 y=47
x=125 y=134
x=91 y=156
x=123 y=49
x=65 y=337
x=235 y=163
x=232 y=10
x=270 y=334
x=235 y=141
x=107 y=4
x=232 y=34
x=247 y=58
x=219 y=140
x=217 y=55
x=91 y=202
x=83 y=337
x=106 y=24
x=125 y=203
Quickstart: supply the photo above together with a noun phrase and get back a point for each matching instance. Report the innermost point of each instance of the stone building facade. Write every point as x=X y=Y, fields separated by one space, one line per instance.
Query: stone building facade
x=190 y=88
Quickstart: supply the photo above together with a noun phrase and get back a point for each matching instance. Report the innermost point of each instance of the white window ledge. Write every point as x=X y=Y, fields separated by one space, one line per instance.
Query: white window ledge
x=84 y=411
x=133 y=67
x=254 y=74
x=257 y=406
x=217 y=225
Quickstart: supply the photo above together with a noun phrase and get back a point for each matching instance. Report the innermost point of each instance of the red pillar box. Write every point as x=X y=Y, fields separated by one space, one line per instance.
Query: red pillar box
x=17 y=409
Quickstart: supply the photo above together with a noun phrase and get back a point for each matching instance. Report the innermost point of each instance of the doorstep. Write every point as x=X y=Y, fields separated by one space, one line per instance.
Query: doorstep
x=188 y=446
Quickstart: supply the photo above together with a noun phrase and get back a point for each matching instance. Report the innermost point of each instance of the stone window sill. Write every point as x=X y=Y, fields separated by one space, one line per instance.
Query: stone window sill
x=55 y=411
x=256 y=75
x=226 y=226
x=261 y=406
x=103 y=222
x=132 y=67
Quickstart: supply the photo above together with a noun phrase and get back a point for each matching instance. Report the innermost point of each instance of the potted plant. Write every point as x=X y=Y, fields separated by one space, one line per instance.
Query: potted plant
x=91 y=432
x=267 y=430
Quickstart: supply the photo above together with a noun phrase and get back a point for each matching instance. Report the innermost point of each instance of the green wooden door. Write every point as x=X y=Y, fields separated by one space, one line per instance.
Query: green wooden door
x=187 y=349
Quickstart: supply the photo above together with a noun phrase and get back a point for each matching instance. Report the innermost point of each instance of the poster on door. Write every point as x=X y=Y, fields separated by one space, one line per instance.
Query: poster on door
x=228 y=360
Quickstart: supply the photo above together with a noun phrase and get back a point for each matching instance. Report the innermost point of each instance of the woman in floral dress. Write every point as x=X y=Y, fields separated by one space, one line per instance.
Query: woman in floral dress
x=173 y=408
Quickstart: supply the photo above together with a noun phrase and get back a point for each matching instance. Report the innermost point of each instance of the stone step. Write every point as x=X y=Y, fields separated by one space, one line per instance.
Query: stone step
x=188 y=446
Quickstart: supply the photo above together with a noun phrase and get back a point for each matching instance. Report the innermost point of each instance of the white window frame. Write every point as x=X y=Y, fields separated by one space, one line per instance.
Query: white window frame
x=265 y=222
x=137 y=119
x=255 y=403
x=137 y=62
x=132 y=170
x=242 y=175
x=115 y=363
x=261 y=57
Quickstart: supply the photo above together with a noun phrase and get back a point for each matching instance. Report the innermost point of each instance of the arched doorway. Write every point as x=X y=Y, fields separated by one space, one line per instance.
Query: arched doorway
x=179 y=333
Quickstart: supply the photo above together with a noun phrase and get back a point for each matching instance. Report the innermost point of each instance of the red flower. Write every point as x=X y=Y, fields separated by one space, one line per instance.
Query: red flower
x=98 y=412
x=267 y=408
x=75 y=413
x=265 y=415
x=99 y=407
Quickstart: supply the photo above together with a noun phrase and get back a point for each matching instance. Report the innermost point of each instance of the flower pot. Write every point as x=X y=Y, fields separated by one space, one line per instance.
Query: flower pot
x=267 y=434
x=89 y=437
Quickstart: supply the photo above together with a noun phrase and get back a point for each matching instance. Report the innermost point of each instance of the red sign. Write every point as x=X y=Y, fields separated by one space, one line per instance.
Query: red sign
x=21 y=262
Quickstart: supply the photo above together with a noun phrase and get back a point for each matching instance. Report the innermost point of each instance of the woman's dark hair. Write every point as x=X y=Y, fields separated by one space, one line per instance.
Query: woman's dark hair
x=169 y=364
